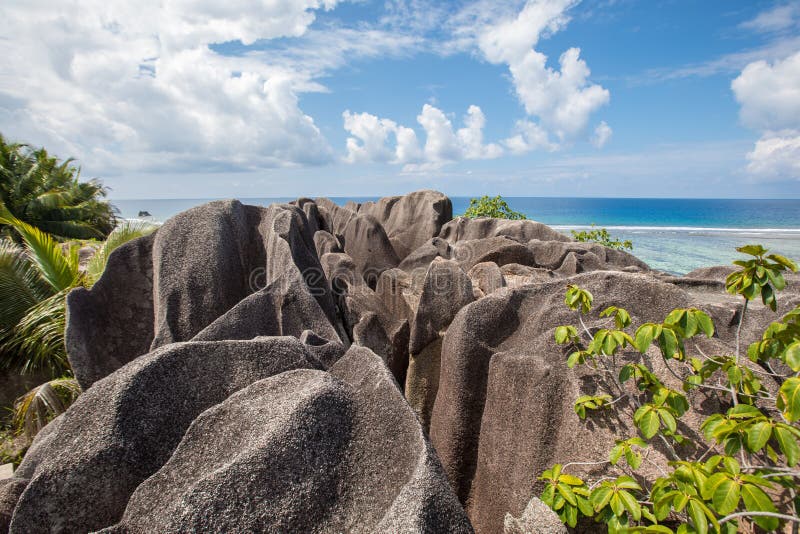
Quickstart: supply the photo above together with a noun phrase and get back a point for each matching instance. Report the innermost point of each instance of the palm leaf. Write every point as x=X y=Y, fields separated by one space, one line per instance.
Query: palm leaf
x=45 y=252
x=123 y=233
x=40 y=405
x=21 y=285
x=37 y=342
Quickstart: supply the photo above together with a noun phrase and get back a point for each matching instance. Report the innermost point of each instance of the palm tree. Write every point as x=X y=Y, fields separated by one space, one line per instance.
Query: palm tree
x=46 y=193
x=35 y=278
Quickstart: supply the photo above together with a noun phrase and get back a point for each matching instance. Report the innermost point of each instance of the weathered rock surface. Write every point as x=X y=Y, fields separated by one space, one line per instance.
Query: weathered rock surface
x=10 y=490
x=412 y=219
x=126 y=426
x=281 y=368
x=537 y=518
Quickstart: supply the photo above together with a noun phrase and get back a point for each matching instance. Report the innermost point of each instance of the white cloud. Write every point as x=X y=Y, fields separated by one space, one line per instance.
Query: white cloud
x=371 y=137
x=529 y=136
x=602 y=134
x=776 y=156
x=769 y=96
x=563 y=99
x=126 y=86
x=778 y=18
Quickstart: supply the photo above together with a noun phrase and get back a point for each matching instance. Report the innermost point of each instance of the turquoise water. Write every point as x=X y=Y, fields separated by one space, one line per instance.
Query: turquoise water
x=673 y=235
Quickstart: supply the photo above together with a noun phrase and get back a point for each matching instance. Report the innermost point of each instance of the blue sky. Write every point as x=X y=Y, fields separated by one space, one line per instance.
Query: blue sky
x=612 y=98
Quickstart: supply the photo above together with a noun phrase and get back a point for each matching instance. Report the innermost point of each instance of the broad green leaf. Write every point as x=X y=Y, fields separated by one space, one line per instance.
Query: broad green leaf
x=758 y=435
x=752 y=250
x=792 y=356
x=726 y=497
x=630 y=503
x=788 y=445
x=571 y=480
x=698 y=517
x=755 y=500
x=789 y=399
x=705 y=323
x=786 y=262
x=566 y=492
x=644 y=337
x=601 y=497
x=648 y=422
x=616 y=505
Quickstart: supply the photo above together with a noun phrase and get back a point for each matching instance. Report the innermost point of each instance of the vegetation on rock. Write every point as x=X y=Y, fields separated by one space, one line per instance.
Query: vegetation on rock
x=495 y=207
x=47 y=193
x=748 y=472
x=601 y=235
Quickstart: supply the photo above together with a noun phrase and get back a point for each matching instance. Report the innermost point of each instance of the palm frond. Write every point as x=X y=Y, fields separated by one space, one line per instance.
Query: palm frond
x=45 y=252
x=123 y=233
x=21 y=285
x=37 y=342
x=43 y=403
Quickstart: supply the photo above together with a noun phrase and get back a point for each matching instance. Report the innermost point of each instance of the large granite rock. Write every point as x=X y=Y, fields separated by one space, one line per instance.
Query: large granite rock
x=112 y=323
x=410 y=220
x=198 y=267
x=462 y=228
x=299 y=452
x=126 y=426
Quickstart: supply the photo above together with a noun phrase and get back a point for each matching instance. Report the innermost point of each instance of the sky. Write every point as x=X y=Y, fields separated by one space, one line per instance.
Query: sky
x=276 y=98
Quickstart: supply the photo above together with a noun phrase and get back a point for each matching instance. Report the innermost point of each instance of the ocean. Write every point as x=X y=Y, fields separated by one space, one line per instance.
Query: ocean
x=672 y=235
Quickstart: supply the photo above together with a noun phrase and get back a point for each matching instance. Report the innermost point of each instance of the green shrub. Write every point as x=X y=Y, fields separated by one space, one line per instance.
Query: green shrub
x=496 y=208
x=601 y=235
x=753 y=447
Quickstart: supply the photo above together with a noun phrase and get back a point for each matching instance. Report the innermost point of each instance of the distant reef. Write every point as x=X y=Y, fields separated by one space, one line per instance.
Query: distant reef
x=309 y=367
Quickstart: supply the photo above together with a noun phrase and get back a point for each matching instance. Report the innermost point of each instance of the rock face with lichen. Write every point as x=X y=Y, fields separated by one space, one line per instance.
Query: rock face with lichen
x=309 y=367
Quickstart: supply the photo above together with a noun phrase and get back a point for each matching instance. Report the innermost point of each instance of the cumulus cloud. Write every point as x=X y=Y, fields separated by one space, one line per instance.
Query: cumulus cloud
x=602 y=134
x=138 y=85
x=371 y=139
x=769 y=96
x=776 y=156
x=562 y=99
x=529 y=136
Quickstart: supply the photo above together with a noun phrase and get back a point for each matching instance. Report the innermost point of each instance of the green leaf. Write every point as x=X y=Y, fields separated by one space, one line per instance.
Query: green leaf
x=752 y=250
x=616 y=505
x=789 y=399
x=786 y=262
x=571 y=480
x=788 y=445
x=566 y=492
x=726 y=496
x=644 y=337
x=792 y=356
x=705 y=323
x=758 y=435
x=601 y=497
x=698 y=517
x=648 y=421
x=755 y=500
x=562 y=334
x=631 y=504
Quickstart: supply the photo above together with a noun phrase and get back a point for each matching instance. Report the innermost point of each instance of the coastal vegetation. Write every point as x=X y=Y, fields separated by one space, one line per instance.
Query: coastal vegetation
x=47 y=193
x=494 y=207
x=602 y=236
x=35 y=276
x=749 y=470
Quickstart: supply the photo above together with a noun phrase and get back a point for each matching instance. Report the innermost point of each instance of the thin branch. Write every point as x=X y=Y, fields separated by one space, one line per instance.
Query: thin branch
x=755 y=514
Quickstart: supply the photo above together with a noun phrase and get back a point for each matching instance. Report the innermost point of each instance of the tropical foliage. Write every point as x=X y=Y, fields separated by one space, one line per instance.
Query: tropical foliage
x=601 y=235
x=749 y=472
x=47 y=193
x=35 y=277
x=491 y=207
